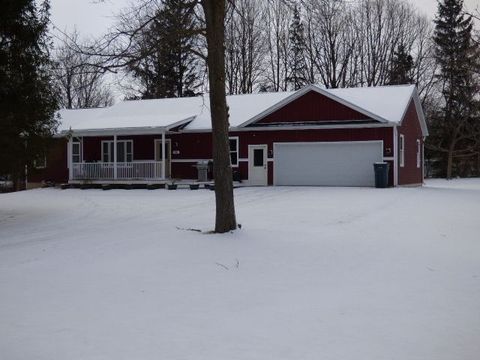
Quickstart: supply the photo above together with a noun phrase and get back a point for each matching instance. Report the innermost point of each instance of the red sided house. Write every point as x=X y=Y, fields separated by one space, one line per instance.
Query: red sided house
x=313 y=136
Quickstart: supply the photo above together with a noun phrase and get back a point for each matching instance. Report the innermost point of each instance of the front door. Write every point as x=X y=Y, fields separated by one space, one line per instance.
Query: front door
x=257 y=165
x=158 y=157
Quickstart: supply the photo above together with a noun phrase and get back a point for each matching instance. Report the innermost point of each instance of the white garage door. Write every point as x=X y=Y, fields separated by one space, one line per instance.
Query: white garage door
x=326 y=163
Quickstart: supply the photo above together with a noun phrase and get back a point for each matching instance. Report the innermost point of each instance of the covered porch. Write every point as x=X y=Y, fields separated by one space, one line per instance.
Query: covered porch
x=133 y=156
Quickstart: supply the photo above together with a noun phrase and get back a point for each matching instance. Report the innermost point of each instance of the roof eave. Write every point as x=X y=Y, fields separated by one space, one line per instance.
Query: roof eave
x=141 y=130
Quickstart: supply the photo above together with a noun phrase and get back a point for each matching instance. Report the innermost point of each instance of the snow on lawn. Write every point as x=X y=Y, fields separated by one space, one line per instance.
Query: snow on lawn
x=314 y=273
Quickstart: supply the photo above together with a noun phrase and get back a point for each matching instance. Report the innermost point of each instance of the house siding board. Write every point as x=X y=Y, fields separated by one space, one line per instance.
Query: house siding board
x=410 y=128
x=312 y=107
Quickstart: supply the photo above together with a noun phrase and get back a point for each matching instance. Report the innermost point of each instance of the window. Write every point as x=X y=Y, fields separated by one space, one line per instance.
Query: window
x=40 y=162
x=76 y=152
x=401 y=147
x=234 y=151
x=258 y=157
x=419 y=153
x=124 y=151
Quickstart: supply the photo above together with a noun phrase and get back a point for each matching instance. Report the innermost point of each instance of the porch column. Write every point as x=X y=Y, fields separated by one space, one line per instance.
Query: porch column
x=163 y=154
x=69 y=158
x=115 y=157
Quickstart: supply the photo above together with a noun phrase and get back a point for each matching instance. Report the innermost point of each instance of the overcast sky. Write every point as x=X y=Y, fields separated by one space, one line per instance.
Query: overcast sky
x=94 y=17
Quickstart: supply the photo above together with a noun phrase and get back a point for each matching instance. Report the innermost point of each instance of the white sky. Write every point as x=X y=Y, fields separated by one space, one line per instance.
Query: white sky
x=94 y=17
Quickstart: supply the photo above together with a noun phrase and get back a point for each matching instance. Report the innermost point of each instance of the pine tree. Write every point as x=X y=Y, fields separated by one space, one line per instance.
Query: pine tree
x=168 y=67
x=401 y=68
x=297 y=65
x=453 y=127
x=27 y=96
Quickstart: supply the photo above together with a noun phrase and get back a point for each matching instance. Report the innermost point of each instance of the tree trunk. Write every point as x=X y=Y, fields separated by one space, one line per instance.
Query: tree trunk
x=451 y=149
x=222 y=170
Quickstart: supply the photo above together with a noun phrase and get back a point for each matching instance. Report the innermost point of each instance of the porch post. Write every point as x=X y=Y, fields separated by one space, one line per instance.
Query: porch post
x=163 y=155
x=69 y=158
x=115 y=157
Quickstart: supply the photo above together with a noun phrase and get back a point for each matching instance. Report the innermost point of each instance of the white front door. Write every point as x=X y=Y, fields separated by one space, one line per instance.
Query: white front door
x=257 y=165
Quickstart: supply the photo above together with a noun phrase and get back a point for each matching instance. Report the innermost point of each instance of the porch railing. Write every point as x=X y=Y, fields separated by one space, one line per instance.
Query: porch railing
x=135 y=170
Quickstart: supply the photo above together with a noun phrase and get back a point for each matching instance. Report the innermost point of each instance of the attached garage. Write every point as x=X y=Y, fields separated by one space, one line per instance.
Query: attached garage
x=326 y=163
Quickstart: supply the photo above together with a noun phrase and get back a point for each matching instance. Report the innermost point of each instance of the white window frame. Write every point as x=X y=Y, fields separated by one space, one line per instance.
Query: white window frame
x=74 y=143
x=419 y=154
x=401 y=150
x=236 y=150
x=110 y=153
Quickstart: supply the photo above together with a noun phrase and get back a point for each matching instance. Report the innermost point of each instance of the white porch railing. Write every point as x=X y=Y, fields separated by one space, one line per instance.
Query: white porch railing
x=135 y=170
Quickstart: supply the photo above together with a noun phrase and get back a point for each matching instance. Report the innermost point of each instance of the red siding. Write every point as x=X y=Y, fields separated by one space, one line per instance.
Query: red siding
x=410 y=173
x=56 y=170
x=312 y=107
x=187 y=148
x=198 y=146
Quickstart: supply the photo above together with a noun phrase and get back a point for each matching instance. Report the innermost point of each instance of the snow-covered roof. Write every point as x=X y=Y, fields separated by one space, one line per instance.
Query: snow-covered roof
x=385 y=104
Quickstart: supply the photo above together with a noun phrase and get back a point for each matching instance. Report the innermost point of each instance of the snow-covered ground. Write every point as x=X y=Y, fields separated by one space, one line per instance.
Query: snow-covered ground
x=314 y=273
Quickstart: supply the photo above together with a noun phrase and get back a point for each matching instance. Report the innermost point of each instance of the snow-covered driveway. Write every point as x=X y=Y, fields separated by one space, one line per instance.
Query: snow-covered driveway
x=314 y=273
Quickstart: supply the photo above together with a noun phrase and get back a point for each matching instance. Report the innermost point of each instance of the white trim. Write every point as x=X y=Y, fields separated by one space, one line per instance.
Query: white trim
x=388 y=158
x=401 y=150
x=167 y=141
x=188 y=160
x=275 y=144
x=237 y=139
x=302 y=92
x=295 y=127
x=419 y=153
x=251 y=159
x=141 y=130
x=163 y=154
x=423 y=160
x=395 y=156
x=115 y=156
x=69 y=158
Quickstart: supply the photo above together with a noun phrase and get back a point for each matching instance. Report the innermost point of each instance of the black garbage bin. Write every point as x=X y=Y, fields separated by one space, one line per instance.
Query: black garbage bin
x=381 y=174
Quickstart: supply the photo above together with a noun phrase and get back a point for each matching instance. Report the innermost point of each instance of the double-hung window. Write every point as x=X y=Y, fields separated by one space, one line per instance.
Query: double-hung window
x=401 y=150
x=234 y=150
x=124 y=151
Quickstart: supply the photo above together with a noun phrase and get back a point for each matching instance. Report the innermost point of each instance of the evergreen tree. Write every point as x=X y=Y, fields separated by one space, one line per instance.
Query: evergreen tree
x=453 y=128
x=27 y=96
x=168 y=67
x=298 y=67
x=401 y=68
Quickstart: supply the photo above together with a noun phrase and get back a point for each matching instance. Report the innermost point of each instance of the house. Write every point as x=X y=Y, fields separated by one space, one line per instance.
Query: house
x=313 y=136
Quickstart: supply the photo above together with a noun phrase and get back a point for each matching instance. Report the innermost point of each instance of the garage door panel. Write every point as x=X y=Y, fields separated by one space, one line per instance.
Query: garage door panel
x=327 y=164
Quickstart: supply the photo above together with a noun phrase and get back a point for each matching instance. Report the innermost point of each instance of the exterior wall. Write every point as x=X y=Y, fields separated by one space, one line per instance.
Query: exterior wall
x=313 y=107
x=196 y=146
x=188 y=148
x=410 y=174
x=56 y=170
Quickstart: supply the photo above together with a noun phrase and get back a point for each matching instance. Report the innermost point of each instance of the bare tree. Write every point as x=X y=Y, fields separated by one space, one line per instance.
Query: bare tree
x=277 y=17
x=331 y=41
x=244 y=46
x=81 y=84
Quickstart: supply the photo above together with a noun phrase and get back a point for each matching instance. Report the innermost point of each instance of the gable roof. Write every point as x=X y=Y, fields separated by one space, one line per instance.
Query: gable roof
x=386 y=104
